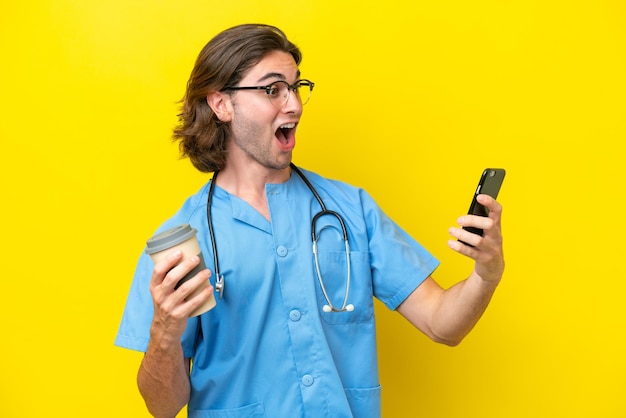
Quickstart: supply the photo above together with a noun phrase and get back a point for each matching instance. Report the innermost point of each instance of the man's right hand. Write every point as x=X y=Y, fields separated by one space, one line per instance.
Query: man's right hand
x=172 y=307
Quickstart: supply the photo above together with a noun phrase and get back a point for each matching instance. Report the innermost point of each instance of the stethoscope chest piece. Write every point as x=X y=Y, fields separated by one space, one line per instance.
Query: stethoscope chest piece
x=219 y=285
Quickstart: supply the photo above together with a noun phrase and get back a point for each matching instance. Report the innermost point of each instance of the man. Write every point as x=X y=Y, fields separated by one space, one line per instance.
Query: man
x=293 y=331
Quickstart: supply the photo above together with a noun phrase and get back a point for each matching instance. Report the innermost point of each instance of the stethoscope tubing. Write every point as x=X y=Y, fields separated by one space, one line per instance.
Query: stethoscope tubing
x=219 y=278
x=329 y=307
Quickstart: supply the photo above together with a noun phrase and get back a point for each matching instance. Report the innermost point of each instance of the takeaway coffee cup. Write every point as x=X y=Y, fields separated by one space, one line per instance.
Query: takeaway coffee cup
x=183 y=238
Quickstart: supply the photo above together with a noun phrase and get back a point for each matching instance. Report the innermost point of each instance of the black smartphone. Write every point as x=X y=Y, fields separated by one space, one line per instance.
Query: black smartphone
x=490 y=183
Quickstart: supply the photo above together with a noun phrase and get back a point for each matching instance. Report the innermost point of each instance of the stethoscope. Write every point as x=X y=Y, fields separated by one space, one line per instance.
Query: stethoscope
x=329 y=307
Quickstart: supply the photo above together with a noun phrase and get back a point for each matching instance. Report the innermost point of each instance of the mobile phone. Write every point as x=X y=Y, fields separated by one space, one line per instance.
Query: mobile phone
x=490 y=183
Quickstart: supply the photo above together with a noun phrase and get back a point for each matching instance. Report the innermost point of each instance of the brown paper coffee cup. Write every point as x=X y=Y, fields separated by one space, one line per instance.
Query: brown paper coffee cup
x=183 y=238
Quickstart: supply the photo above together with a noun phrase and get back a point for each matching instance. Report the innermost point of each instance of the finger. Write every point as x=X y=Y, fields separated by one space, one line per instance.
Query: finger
x=164 y=266
x=462 y=247
x=475 y=221
x=180 y=272
x=465 y=238
x=192 y=284
x=199 y=294
x=495 y=208
x=493 y=231
x=190 y=295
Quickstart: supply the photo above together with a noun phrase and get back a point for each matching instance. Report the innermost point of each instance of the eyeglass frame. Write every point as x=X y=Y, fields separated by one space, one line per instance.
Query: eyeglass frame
x=268 y=88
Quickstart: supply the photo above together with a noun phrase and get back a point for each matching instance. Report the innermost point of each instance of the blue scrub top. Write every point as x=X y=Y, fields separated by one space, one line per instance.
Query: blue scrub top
x=267 y=348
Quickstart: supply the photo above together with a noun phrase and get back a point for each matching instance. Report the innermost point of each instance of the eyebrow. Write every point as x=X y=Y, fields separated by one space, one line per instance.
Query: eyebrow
x=276 y=75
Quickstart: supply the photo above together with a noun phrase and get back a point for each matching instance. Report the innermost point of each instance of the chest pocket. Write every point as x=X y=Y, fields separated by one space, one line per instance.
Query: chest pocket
x=333 y=268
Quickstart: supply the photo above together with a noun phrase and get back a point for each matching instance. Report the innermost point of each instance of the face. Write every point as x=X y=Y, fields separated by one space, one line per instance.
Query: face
x=263 y=134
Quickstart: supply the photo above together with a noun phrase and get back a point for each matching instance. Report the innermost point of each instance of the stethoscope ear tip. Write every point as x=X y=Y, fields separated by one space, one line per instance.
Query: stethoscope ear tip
x=326 y=308
x=350 y=307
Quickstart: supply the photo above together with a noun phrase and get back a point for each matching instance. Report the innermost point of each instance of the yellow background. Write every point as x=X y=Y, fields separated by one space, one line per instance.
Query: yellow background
x=413 y=99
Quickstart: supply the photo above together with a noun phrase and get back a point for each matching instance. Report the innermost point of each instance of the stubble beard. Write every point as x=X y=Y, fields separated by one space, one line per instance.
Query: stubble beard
x=246 y=137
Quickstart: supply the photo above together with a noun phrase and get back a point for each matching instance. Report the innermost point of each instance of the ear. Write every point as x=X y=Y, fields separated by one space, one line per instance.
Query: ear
x=221 y=105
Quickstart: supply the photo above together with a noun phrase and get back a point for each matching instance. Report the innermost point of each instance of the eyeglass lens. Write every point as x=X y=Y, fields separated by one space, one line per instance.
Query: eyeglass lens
x=279 y=93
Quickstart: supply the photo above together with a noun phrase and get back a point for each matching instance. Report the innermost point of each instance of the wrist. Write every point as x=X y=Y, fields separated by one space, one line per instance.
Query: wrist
x=486 y=280
x=164 y=341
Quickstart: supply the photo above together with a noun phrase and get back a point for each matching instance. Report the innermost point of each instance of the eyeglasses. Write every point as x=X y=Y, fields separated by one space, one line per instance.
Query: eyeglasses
x=278 y=91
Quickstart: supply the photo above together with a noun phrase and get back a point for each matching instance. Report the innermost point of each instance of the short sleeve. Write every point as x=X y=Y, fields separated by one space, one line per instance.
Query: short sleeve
x=399 y=263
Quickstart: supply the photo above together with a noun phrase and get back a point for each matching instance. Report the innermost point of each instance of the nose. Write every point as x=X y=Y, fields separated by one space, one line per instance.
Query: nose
x=292 y=104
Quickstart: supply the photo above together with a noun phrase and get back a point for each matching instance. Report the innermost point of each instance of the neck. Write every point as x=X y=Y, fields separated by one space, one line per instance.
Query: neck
x=248 y=183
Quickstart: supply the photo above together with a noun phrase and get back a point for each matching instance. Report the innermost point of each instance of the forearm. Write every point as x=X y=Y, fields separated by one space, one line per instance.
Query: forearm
x=447 y=316
x=459 y=308
x=163 y=379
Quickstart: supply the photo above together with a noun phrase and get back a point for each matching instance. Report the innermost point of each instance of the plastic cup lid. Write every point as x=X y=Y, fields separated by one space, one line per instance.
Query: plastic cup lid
x=169 y=238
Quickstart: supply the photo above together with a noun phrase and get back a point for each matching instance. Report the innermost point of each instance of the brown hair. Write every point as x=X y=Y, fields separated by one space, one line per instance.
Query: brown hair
x=222 y=62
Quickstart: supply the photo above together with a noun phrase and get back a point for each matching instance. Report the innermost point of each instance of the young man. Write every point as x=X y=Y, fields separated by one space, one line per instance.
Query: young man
x=293 y=331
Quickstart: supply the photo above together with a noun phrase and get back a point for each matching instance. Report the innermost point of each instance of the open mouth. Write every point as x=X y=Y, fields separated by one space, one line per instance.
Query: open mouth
x=286 y=135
